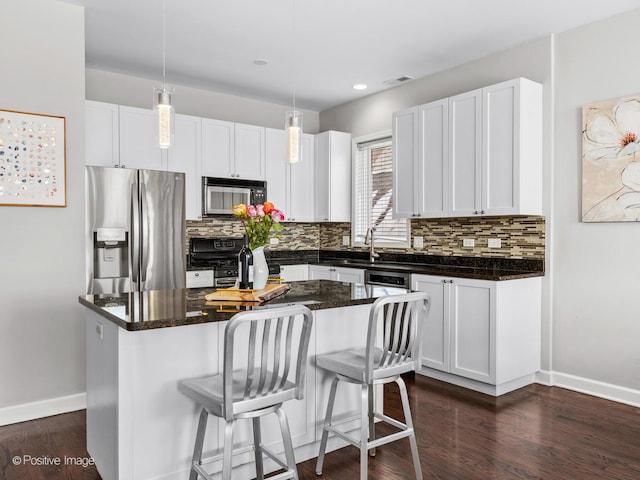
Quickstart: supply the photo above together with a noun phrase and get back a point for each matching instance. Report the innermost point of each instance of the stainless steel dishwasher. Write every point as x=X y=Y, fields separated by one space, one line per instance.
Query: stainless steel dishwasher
x=388 y=279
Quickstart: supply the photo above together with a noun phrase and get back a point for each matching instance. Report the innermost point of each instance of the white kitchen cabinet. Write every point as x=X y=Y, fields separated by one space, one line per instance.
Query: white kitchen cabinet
x=294 y=273
x=340 y=274
x=102 y=143
x=477 y=153
x=332 y=177
x=290 y=187
x=199 y=278
x=421 y=173
x=218 y=157
x=138 y=143
x=465 y=143
x=481 y=334
x=185 y=156
x=233 y=150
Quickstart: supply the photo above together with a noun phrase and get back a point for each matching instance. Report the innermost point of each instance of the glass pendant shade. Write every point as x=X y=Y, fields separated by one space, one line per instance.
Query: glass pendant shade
x=293 y=127
x=165 y=115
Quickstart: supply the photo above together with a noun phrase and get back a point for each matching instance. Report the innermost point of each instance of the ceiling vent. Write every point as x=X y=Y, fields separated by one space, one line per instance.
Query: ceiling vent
x=397 y=81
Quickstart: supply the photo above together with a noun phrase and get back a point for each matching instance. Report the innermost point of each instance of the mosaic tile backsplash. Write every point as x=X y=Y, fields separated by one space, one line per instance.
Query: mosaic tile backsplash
x=521 y=237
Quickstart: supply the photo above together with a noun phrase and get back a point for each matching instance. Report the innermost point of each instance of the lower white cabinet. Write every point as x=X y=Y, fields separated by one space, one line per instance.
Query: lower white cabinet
x=340 y=274
x=481 y=334
x=199 y=278
x=294 y=273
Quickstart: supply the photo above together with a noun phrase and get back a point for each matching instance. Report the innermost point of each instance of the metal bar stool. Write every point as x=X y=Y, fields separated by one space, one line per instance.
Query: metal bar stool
x=399 y=320
x=255 y=386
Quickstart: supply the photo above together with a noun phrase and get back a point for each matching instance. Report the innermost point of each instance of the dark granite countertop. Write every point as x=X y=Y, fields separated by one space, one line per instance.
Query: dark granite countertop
x=171 y=308
x=482 y=268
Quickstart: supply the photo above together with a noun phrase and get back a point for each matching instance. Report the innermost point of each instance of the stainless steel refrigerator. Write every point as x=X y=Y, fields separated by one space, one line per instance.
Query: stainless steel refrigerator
x=135 y=230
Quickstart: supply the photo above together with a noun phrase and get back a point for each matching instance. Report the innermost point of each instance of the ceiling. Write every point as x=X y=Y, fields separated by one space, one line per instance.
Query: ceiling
x=212 y=44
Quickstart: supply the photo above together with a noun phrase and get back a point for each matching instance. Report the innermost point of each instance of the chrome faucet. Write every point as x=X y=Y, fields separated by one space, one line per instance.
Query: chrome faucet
x=368 y=240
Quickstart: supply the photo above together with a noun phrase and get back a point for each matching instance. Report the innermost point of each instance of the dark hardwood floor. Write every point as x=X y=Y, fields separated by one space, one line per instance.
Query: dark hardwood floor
x=536 y=432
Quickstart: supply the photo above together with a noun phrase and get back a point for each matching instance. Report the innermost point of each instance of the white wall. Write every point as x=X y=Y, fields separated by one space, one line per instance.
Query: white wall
x=138 y=92
x=596 y=300
x=41 y=249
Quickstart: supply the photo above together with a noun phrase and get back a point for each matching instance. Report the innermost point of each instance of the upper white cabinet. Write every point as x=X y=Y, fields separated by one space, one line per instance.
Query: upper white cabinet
x=333 y=177
x=185 y=156
x=290 y=187
x=218 y=157
x=420 y=185
x=233 y=150
x=138 y=144
x=477 y=153
x=102 y=143
x=482 y=331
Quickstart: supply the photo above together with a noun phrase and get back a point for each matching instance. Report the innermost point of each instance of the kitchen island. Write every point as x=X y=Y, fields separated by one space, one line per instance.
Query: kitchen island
x=139 y=426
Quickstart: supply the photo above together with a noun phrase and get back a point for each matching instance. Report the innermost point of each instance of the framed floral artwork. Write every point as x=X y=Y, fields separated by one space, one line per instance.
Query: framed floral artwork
x=611 y=160
x=32 y=159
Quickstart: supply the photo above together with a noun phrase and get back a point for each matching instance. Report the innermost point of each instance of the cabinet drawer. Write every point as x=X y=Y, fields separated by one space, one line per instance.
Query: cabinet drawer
x=200 y=278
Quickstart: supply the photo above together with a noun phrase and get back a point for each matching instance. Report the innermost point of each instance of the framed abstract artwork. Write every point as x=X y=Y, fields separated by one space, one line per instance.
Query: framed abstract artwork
x=32 y=159
x=611 y=160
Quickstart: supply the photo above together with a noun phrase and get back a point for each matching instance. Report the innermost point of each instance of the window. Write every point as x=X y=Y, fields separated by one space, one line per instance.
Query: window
x=373 y=194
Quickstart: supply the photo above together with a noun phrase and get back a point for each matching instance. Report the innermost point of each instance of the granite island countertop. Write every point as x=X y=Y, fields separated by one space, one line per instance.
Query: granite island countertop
x=183 y=306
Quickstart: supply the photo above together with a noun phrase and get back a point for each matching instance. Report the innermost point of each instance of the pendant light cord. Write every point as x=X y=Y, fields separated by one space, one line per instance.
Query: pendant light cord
x=293 y=56
x=164 y=44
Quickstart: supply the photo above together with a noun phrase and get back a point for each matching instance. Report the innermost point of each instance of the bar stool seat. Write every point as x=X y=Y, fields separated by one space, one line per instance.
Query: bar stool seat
x=254 y=384
x=398 y=319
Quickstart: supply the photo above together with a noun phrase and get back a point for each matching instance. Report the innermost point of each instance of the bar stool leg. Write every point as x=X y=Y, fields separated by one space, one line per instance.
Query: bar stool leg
x=327 y=421
x=197 y=449
x=257 y=442
x=409 y=422
x=364 y=431
x=227 y=451
x=372 y=421
x=286 y=440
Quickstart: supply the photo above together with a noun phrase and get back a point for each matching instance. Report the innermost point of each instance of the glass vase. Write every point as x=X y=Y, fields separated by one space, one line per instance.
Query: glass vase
x=260 y=269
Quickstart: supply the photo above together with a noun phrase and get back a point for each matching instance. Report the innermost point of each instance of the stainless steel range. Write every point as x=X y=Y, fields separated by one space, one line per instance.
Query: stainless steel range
x=219 y=254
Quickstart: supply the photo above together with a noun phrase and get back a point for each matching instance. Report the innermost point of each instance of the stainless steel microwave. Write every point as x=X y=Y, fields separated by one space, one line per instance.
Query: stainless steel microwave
x=219 y=195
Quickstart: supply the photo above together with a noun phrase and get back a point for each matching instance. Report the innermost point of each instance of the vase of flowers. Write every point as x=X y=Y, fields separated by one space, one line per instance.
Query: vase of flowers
x=258 y=222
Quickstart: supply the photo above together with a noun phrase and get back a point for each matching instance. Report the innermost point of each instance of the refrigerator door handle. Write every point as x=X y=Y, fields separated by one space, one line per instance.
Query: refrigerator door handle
x=144 y=233
x=135 y=234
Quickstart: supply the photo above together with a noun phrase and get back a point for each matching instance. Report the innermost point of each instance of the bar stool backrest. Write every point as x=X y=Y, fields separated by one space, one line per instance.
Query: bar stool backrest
x=399 y=319
x=265 y=355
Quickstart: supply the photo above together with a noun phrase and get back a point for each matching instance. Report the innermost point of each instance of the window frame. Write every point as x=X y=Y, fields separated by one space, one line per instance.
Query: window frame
x=354 y=192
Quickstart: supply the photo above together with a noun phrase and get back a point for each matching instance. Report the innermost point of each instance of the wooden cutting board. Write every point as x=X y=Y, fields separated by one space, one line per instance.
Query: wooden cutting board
x=237 y=295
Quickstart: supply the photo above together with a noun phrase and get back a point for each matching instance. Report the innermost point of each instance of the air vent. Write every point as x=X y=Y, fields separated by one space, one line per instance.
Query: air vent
x=397 y=81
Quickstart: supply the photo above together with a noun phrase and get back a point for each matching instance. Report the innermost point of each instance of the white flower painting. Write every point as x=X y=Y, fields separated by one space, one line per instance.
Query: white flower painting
x=611 y=161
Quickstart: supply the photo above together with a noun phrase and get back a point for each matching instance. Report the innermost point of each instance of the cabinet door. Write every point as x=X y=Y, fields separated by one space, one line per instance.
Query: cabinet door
x=101 y=134
x=321 y=177
x=301 y=184
x=294 y=273
x=432 y=175
x=277 y=170
x=351 y=275
x=250 y=158
x=405 y=155
x=217 y=148
x=472 y=317
x=465 y=136
x=435 y=331
x=318 y=272
x=500 y=148
x=185 y=156
x=340 y=177
x=138 y=144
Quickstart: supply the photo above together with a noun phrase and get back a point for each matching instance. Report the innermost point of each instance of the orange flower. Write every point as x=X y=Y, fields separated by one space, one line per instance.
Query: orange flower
x=268 y=207
x=240 y=210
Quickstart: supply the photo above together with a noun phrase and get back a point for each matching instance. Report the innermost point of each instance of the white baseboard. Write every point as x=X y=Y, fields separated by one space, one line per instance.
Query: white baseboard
x=608 y=391
x=43 y=408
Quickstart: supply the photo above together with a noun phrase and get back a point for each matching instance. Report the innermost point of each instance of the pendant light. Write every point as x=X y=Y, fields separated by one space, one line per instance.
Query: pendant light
x=163 y=96
x=293 y=121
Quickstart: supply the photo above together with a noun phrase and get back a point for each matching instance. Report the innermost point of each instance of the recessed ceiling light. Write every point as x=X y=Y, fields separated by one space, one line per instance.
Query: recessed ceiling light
x=360 y=86
x=261 y=62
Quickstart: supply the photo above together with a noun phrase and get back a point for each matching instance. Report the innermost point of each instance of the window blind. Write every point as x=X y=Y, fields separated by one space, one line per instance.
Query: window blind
x=374 y=195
